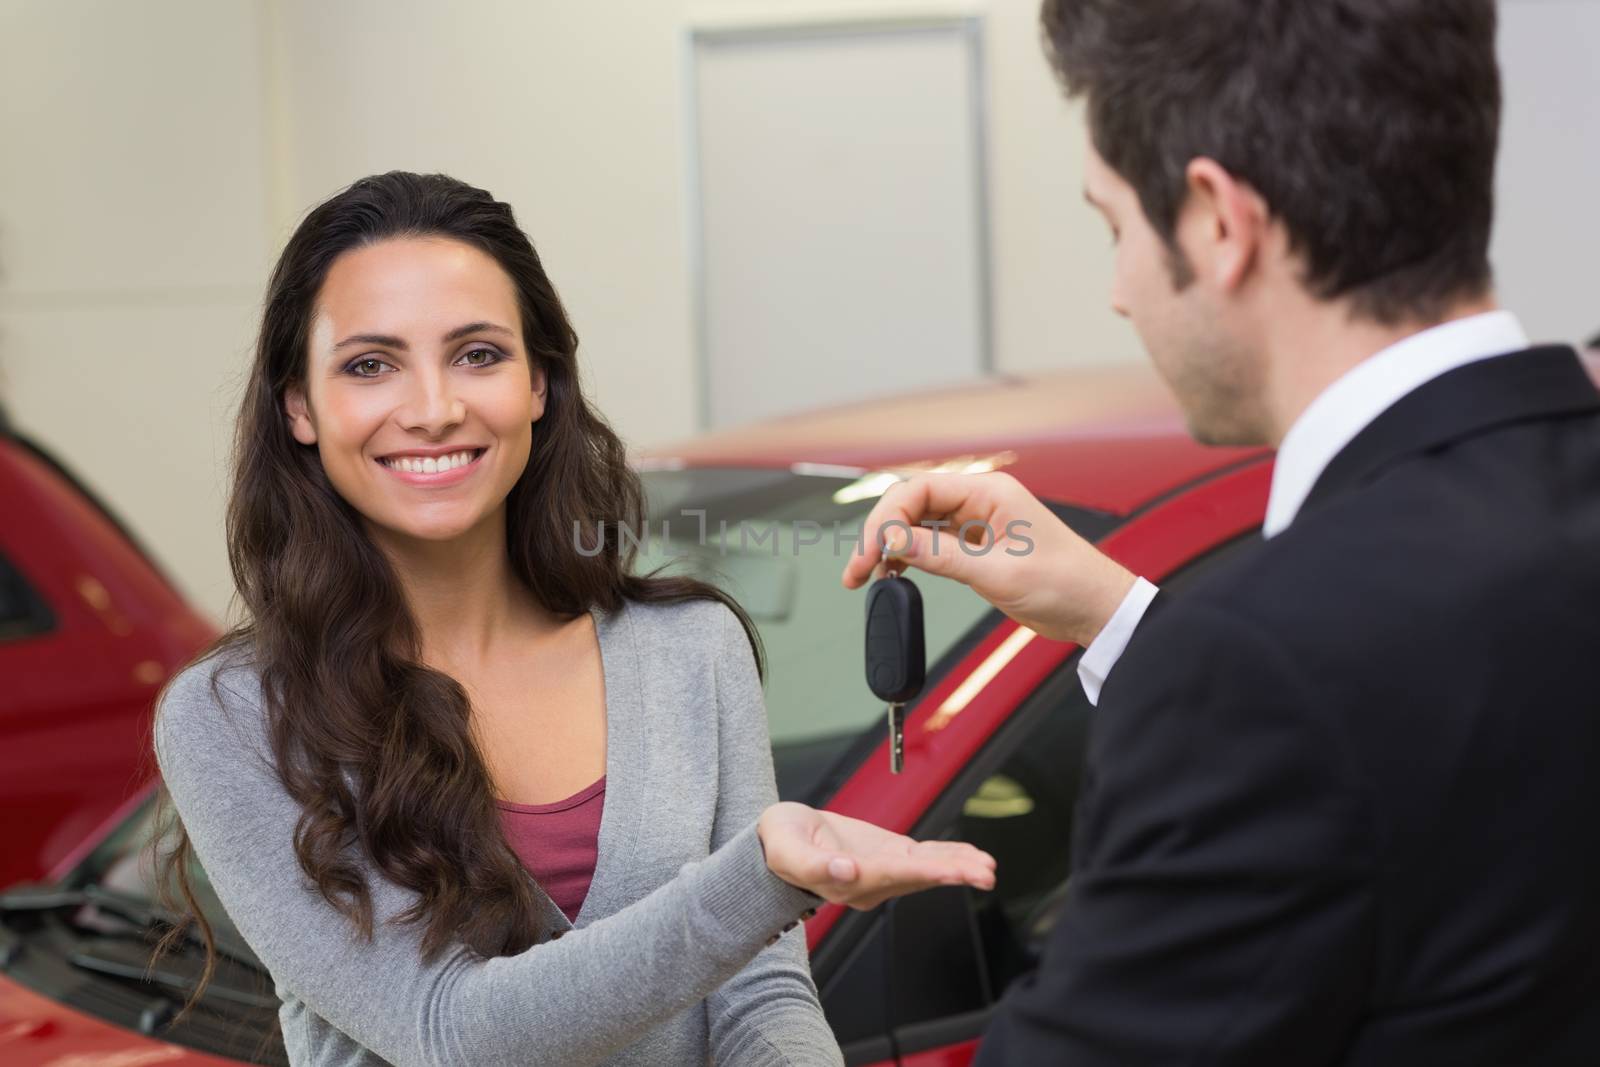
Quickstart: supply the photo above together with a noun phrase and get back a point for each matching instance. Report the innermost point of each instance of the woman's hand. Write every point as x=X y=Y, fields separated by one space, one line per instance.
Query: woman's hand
x=847 y=861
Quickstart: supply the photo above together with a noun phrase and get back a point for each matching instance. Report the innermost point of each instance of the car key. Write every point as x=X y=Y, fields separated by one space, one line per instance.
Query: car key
x=896 y=654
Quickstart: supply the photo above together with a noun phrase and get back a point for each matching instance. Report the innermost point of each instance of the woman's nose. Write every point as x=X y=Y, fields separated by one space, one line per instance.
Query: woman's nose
x=432 y=405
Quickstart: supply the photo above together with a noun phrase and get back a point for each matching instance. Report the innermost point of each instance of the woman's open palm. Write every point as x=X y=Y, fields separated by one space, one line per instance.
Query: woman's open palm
x=852 y=862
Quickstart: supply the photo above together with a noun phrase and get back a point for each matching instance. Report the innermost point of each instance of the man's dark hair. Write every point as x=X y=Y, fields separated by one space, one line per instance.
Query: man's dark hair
x=1368 y=126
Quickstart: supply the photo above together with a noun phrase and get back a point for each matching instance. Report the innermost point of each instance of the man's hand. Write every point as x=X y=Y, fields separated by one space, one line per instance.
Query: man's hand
x=847 y=861
x=1036 y=570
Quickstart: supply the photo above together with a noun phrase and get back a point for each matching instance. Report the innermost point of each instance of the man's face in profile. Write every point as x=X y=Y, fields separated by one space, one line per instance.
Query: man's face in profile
x=1176 y=313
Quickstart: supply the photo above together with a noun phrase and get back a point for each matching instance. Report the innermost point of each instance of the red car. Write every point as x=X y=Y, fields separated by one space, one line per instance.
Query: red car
x=89 y=631
x=993 y=745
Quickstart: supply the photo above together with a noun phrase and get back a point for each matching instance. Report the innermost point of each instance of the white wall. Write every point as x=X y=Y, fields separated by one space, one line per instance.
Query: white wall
x=843 y=252
x=134 y=241
x=1547 y=215
x=575 y=114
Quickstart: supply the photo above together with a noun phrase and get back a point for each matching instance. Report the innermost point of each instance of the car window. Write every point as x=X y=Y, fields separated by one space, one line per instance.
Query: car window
x=23 y=612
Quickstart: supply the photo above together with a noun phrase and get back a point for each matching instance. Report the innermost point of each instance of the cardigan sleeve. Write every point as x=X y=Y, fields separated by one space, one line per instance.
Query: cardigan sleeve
x=572 y=1001
x=766 y=1015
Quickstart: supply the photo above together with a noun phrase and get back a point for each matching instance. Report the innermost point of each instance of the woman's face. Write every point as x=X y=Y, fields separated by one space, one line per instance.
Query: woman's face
x=418 y=392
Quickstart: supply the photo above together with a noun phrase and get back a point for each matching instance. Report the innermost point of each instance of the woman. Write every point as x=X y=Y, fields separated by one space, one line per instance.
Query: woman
x=456 y=727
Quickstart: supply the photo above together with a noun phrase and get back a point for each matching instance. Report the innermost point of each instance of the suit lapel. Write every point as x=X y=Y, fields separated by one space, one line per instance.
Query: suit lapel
x=1536 y=383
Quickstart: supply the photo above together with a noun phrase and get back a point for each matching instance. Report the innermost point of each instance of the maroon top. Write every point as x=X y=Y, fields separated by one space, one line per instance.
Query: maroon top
x=558 y=843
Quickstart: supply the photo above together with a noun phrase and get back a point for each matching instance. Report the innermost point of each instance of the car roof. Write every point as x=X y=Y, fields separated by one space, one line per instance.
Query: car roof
x=1108 y=438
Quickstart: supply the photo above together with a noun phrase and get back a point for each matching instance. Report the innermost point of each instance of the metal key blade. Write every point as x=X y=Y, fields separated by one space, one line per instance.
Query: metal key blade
x=897 y=738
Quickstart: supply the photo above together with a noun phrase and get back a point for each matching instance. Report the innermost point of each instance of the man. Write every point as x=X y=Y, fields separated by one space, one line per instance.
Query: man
x=1339 y=796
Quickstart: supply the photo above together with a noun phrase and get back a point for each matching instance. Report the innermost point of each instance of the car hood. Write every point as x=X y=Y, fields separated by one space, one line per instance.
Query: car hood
x=38 y=1032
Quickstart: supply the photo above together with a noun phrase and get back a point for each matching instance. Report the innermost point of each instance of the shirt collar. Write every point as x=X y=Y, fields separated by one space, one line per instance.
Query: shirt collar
x=1364 y=392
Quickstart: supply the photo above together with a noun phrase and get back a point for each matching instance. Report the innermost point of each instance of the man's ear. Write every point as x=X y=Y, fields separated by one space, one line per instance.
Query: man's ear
x=1227 y=223
x=299 y=415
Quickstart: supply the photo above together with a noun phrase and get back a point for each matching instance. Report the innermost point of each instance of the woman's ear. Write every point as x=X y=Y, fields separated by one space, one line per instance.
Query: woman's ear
x=299 y=415
x=540 y=392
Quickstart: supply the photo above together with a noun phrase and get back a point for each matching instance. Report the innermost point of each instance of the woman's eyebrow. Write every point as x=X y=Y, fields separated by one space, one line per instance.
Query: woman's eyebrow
x=475 y=327
x=379 y=339
x=384 y=340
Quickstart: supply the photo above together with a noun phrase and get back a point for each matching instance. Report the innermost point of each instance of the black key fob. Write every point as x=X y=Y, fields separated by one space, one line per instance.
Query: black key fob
x=896 y=657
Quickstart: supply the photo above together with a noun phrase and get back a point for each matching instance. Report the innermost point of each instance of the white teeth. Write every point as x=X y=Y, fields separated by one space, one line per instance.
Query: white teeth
x=428 y=464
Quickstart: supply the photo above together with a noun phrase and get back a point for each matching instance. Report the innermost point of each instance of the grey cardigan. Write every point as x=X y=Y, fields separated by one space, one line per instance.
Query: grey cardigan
x=667 y=963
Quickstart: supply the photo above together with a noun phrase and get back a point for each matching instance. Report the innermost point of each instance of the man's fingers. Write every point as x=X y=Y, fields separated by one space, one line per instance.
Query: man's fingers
x=950 y=494
x=936 y=552
x=858 y=569
x=903 y=506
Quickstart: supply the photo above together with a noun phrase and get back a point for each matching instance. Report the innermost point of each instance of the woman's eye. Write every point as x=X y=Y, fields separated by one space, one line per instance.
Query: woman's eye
x=480 y=357
x=366 y=368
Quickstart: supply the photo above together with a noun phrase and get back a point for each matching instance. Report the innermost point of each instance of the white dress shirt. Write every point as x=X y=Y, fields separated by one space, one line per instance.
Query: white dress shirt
x=1328 y=423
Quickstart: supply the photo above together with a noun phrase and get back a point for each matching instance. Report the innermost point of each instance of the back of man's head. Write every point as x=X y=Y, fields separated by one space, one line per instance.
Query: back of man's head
x=1369 y=127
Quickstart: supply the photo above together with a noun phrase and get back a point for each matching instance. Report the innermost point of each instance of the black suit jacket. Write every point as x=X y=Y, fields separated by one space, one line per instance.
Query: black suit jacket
x=1342 y=794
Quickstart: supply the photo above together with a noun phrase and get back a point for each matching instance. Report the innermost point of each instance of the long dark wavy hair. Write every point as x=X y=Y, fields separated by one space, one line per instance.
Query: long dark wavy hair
x=329 y=631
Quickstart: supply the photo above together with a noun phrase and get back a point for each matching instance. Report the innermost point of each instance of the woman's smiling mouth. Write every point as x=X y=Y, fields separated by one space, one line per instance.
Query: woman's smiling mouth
x=432 y=470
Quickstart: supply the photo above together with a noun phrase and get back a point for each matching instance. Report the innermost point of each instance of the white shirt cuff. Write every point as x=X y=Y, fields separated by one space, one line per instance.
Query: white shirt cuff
x=1104 y=651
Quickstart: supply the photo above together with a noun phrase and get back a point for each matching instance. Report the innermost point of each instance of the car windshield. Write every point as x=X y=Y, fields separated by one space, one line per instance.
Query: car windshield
x=122 y=864
x=777 y=541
